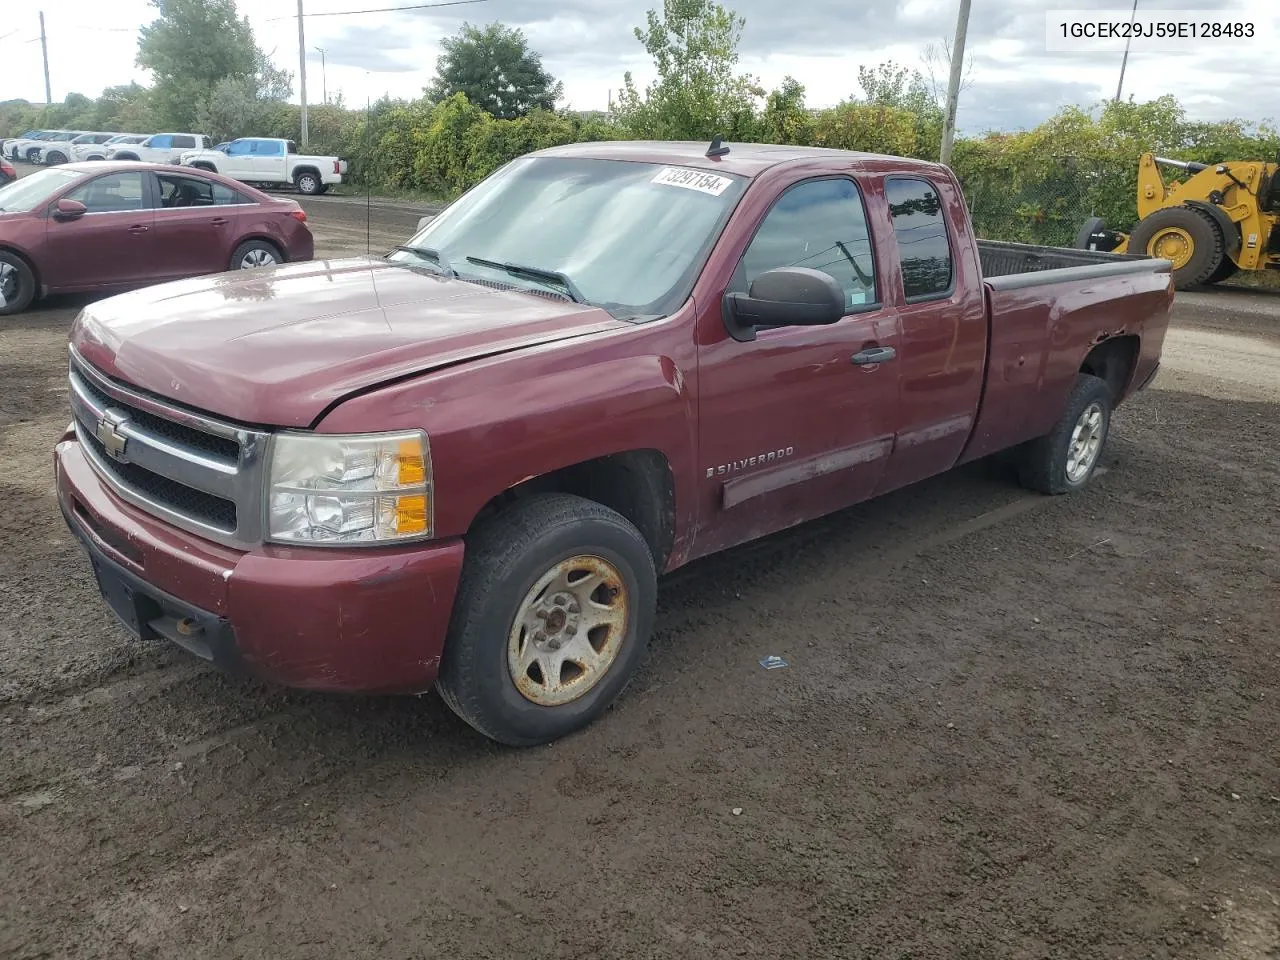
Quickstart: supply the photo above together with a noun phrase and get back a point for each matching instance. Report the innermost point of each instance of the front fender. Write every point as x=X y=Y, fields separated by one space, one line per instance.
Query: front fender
x=500 y=422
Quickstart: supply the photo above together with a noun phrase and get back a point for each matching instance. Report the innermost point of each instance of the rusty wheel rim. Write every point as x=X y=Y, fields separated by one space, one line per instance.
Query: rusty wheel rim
x=568 y=631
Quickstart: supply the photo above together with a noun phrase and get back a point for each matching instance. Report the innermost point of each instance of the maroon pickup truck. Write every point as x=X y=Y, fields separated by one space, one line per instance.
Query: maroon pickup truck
x=465 y=465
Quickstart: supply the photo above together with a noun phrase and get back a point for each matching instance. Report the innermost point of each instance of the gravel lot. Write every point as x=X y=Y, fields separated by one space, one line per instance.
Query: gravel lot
x=1011 y=727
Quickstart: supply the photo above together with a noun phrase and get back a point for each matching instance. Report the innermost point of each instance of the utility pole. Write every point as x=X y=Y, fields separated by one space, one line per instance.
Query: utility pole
x=1125 y=62
x=44 y=48
x=953 y=88
x=302 y=74
x=324 y=78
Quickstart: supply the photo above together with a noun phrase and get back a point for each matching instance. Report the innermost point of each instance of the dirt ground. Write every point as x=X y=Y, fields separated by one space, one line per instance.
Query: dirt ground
x=1011 y=727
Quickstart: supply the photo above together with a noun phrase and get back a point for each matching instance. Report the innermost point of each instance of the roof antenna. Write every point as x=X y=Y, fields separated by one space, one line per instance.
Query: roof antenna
x=717 y=149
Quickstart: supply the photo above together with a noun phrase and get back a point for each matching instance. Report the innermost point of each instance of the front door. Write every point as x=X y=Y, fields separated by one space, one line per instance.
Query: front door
x=111 y=245
x=800 y=421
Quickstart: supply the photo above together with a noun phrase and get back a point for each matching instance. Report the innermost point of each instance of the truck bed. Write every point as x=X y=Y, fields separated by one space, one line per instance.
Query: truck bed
x=1013 y=265
x=1047 y=307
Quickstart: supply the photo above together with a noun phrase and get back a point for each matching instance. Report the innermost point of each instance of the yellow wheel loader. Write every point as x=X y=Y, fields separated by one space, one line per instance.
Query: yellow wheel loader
x=1223 y=218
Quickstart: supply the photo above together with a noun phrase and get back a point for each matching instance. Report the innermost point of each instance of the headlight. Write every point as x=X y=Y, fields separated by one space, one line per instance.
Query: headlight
x=342 y=488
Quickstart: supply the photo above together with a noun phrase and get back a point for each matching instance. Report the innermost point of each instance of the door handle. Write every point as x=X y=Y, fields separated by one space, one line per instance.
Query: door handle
x=139 y=228
x=218 y=221
x=874 y=355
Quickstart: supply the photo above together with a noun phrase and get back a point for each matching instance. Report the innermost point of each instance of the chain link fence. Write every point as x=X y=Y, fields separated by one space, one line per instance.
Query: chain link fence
x=1050 y=203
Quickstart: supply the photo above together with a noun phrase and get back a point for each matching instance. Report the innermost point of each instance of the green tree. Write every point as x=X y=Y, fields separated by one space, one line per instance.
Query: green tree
x=786 y=120
x=191 y=46
x=496 y=71
x=698 y=94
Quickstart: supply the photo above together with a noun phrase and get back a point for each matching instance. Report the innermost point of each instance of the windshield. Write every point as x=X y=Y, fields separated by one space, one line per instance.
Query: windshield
x=23 y=196
x=629 y=237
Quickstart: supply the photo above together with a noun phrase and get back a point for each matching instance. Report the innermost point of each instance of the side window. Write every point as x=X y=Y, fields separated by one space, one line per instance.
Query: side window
x=240 y=148
x=921 y=231
x=161 y=141
x=270 y=148
x=184 y=142
x=821 y=224
x=226 y=197
x=113 y=193
x=179 y=192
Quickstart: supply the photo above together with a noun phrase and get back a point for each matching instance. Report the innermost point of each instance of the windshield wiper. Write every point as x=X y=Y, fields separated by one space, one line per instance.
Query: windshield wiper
x=535 y=273
x=427 y=253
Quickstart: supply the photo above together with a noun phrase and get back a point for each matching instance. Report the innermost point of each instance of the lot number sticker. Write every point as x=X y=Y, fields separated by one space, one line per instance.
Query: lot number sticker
x=693 y=180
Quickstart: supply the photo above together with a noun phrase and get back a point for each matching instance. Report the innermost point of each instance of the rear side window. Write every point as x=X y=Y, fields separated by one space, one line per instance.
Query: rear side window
x=921 y=231
x=184 y=142
x=269 y=148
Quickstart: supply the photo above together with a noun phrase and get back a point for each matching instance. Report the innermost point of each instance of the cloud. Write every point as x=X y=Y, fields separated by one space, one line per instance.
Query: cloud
x=590 y=44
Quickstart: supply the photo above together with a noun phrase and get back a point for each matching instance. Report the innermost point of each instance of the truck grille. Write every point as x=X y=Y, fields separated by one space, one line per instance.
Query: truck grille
x=197 y=472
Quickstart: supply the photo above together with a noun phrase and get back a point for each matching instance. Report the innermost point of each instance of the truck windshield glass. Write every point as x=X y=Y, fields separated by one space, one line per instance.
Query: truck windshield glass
x=630 y=237
x=23 y=196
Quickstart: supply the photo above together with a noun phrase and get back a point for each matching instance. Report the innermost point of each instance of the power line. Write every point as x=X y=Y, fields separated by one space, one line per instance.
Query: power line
x=344 y=13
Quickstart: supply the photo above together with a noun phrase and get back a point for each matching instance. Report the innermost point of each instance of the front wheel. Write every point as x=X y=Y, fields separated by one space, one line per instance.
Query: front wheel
x=55 y=158
x=1065 y=459
x=17 y=284
x=553 y=613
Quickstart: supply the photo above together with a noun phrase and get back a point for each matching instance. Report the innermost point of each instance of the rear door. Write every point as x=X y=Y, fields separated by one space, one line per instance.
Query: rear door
x=195 y=224
x=112 y=244
x=942 y=311
x=181 y=144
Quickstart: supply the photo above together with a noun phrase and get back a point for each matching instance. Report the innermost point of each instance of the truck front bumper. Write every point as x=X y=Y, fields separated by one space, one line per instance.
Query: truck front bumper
x=351 y=620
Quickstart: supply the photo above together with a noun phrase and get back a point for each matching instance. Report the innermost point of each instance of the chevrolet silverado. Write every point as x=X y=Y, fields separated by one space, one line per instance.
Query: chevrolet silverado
x=464 y=465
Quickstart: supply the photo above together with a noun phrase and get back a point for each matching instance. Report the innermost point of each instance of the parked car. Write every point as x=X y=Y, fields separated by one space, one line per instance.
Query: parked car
x=22 y=148
x=4 y=144
x=269 y=162
x=8 y=173
x=63 y=151
x=466 y=464
x=107 y=227
x=158 y=148
x=98 y=151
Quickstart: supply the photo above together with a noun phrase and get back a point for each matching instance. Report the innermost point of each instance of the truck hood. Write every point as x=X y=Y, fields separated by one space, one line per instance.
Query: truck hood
x=278 y=345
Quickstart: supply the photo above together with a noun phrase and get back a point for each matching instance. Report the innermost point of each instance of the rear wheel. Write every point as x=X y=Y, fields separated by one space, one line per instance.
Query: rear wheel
x=255 y=253
x=308 y=183
x=552 y=615
x=17 y=284
x=1187 y=238
x=1064 y=460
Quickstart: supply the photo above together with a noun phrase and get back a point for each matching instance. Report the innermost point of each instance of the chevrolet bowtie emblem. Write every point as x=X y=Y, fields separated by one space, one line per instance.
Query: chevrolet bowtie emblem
x=110 y=434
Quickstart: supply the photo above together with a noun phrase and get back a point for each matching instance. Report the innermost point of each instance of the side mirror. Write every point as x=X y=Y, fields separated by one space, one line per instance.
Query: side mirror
x=784 y=297
x=423 y=221
x=66 y=209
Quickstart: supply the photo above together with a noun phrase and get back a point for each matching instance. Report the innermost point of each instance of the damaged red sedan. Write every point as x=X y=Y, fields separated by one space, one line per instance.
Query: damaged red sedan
x=110 y=227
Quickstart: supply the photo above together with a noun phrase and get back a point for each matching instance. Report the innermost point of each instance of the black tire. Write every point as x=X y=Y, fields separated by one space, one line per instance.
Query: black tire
x=126 y=156
x=55 y=158
x=1042 y=463
x=308 y=182
x=506 y=557
x=1091 y=226
x=17 y=284
x=1226 y=270
x=1208 y=246
x=247 y=248
x=202 y=165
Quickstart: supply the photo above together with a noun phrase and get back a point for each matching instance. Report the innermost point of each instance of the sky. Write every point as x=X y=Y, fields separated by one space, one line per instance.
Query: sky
x=1015 y=78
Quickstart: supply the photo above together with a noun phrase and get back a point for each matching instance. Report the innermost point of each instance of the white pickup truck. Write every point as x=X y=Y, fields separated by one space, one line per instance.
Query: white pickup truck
x=269 y=162
x=158 y=148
